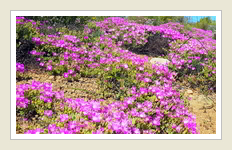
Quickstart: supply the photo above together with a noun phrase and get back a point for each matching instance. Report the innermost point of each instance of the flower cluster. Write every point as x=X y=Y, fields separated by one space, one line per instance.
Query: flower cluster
x=20 y=67
x=120 y=117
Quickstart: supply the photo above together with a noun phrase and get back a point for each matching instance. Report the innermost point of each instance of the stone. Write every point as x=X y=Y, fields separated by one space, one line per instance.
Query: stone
x=51 y=77
x=160 y=60
x=189 y=92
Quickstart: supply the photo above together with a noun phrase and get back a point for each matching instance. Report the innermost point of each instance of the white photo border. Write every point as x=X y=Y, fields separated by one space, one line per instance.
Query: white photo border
x=217 y=13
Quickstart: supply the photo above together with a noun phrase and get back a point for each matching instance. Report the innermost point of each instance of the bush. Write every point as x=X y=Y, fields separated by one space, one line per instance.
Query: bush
x=25 y=31
x=70 y=22
x=57 y=114
x=155 y=47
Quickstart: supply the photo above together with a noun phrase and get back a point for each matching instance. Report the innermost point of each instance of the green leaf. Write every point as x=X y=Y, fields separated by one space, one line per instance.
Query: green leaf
x=22 y=113
x=74 y=117
x=109 y=77
x=133 y=121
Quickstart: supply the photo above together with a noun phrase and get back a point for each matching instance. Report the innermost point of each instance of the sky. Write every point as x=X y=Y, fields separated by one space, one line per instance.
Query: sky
x=197 y=18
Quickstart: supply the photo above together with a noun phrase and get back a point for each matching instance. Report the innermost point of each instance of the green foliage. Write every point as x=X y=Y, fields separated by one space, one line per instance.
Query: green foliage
x=139 y=19
x=100 y=18
x=35 y=104
x=63 y=20
x=157 y=20
x=25 y=32
x=22 y=76
x=205 y=23
x=202 y=76
x=60 y=70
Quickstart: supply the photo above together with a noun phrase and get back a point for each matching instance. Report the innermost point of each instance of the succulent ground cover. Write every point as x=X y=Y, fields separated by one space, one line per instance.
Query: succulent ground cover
x=96 y=82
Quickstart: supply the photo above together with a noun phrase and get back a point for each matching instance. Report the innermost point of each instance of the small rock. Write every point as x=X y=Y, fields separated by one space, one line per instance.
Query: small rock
x=160 y=60
x=189 y=92
x=51 y=77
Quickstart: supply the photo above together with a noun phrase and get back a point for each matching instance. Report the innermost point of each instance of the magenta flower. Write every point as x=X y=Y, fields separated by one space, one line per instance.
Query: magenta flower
x=107 y=69
x=96 y=118
x=142 y=115
x=156 y=122
x=52 y=127
x=136 y=131
x=63 y=117
x=86 y=37
x=47 y=100
x=70 y=71
x=78 y=67
x=66 y=75
x=174 y=126
x=18 y=18
x=49 y=67
x=143 y=90
x=139 y=106
x=19 y=67
x=48 y=113
x=54 y=54
x=178 y=129
x=72 y=124
x=36 y=131
x=116 y=127
x=41 y=64
x=96 y=106
x=62 y=62
x=124 y=66
x=189 y=61
x=130 y=100
x=141 y=68
x=147 y=80
x=38 y=59
x=34 y=51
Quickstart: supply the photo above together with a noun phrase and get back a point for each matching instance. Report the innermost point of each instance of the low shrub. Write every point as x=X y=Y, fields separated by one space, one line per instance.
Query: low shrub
x=57 y=114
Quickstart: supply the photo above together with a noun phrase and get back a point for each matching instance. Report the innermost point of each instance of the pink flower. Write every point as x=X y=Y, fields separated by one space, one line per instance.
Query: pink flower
x=63 y=117
x=136 y=131
x=156 y=122
x=48 y=112
x=66 y=75
x=72 y=124
x=178 y=129
x=189 y=98
x=70 y=71
x=174 y=126
x=61 y=62
x=38 y=59
x=96 y=118
x=124 y=66
x=141 y=68
x=130 y=100
x=54 y=54
x=147 y=80
x=78 y=67
x=49 y=67
x=107 y=69
x=143 y=90
x=142 y=115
